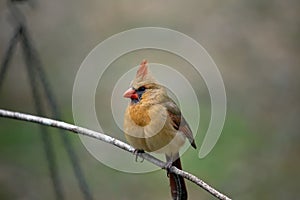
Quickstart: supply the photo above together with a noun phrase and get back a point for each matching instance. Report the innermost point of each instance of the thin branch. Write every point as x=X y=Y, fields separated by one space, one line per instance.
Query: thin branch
x=113 y=141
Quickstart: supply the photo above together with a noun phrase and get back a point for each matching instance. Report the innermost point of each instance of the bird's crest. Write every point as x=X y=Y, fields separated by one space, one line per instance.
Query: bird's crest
x=143 y=75
x=143 y=69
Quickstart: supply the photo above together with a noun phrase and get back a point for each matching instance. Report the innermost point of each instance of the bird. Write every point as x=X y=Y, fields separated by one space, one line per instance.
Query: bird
x=154 y=123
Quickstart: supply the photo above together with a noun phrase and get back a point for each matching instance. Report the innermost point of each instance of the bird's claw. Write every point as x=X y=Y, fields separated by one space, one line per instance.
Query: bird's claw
x=168 y=166
x=137 y=152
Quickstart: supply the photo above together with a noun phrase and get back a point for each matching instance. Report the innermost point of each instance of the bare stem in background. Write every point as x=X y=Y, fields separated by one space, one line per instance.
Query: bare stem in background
x=113 y=141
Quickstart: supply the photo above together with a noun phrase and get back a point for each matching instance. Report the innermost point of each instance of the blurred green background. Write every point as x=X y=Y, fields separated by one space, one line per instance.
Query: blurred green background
x=255 y=44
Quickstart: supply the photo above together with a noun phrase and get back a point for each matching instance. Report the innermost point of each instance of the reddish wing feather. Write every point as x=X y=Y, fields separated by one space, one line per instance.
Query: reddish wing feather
x=179 y=123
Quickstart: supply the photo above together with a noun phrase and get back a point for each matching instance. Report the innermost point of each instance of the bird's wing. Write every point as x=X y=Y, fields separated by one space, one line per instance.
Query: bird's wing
x=179 y=123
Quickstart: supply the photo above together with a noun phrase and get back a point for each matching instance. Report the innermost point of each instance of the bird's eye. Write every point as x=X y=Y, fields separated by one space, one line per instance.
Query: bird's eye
x=141 y=89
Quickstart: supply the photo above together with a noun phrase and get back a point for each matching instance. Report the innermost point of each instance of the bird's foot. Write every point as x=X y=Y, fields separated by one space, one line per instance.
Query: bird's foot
x=137 y=152
x=168 y=166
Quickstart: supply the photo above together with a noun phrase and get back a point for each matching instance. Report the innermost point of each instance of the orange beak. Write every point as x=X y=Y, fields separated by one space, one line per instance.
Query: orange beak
x=131 y=93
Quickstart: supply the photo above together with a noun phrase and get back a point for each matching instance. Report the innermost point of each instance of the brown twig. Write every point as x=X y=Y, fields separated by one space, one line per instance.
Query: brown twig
x=111 y=140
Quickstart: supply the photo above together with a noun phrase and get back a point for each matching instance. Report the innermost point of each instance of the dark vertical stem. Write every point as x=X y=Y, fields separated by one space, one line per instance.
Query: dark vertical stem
x=8 y=54
x=48 y=146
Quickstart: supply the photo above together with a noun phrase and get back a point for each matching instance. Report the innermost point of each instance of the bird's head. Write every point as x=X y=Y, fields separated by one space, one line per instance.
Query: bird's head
x=143 y=85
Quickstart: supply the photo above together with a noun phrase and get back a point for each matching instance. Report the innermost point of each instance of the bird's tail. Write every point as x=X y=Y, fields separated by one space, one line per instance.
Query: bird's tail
x=177 y=184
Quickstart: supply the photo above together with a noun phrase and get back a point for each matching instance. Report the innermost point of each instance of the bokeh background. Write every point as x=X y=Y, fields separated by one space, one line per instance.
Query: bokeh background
x=255 y=44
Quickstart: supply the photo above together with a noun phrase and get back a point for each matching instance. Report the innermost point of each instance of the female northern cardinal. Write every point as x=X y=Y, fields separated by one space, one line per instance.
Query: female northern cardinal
x=153 y=123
